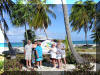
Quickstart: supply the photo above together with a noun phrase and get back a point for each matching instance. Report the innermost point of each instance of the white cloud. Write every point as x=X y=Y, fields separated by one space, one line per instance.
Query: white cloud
x=56 y=1
x=15 y=32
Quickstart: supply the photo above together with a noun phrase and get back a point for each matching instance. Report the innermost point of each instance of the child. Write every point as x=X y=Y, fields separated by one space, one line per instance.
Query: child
x=53 y=52
x=39 y=57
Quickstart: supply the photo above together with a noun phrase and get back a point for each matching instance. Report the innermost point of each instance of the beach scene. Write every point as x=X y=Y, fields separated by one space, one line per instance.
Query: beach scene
x=49 y=35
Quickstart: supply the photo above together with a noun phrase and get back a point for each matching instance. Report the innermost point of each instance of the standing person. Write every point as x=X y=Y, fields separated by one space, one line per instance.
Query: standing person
x=39 y=56
x=61 y=47
x=53 y=51
x=34 y=45
x=27 y=53
x=59 y=53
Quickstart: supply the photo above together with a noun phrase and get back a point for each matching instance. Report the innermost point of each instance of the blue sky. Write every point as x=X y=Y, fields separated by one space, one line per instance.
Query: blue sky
x=55 y=30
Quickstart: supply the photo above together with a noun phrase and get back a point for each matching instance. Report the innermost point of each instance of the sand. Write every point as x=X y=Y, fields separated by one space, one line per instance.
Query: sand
x=67 y=67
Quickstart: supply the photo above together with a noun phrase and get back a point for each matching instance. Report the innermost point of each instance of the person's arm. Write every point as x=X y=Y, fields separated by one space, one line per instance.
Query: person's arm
x=24 y=51
x=32 y=45
x=63 y=48
x=49 y=48
x=36 y=53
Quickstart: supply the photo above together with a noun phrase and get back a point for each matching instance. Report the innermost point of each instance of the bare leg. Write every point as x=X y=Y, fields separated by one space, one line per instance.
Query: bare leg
x=26 y=63
x=64 y=60
x=37 y=63
x=59 y=63
x=53 y=62
x=40 y=63
x=30 y=63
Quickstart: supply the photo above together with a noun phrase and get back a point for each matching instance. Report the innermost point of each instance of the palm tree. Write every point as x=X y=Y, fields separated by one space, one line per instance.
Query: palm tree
x=5 y=7
x=20 y=15
x=41 y=19
x=78 y=58
x=83 y=16
x=35 y=15
x=96 y=36
x=96 y=30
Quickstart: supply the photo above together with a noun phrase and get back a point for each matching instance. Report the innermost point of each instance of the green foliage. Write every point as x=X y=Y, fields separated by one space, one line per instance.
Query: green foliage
x=5 y=7
x=83 y=16
x=70 y=58
x=84 y=67
x=96 y=30
x=1 y=64
x=34 y=12
x=31 y=35
x=96 y=36
x=66 y=43
x=15 y=64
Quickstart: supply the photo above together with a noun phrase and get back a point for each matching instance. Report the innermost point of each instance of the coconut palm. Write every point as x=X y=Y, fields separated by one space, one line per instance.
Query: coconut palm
x=96 y=36
x=5 y=7
x=78 y=58
x=20 y=15
x=41 y=19
x=96 y=31
x=83 y=16
x=36 y=15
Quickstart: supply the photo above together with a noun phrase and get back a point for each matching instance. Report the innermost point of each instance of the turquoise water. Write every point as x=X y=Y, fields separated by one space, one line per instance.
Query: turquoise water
x=20 y=44
x=13 y=44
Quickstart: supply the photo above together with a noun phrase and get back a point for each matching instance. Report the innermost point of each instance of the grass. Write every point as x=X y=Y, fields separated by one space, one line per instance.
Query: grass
x=15 y=64
x=80 y=49
x=1 y=64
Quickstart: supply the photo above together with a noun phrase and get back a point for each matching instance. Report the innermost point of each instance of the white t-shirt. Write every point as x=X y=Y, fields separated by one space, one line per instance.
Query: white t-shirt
x=60 y=48
x=28 y=49
x=53 y=52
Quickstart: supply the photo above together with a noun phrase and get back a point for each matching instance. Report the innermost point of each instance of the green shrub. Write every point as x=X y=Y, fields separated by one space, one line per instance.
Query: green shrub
x=84 y=67
x=70 y=58
x=1 y=64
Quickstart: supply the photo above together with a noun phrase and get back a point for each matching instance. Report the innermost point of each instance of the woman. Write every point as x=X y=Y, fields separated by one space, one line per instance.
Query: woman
x=59 y=56
x=39 y=56
x=61 y=48
x=53 y=51
x=34 y=52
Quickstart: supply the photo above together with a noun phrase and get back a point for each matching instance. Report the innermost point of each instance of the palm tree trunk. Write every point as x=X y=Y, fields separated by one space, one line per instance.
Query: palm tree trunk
x=86 y=38
x=78 y=58
x=85 y=30
x=45 y=31
x=26 y=33
x=12 y=52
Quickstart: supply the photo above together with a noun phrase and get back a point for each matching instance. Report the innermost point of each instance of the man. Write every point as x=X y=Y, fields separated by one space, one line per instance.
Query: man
x=39 y=56
x=28 y=52
x=61 y=47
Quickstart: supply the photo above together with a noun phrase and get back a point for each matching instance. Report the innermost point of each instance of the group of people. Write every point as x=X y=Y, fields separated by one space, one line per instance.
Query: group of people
x=33 y=54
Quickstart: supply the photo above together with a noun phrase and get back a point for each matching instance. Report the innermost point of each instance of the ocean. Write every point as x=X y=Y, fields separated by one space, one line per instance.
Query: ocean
x=20 y=44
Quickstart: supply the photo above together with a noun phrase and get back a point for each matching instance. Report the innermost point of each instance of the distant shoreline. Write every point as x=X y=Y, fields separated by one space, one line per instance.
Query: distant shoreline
x=20 y=44
x=22 y=48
